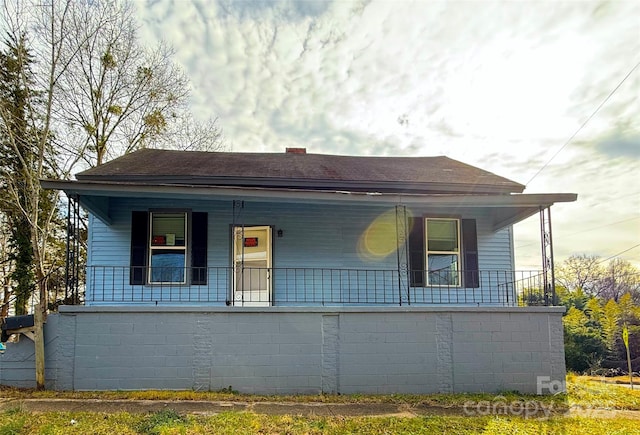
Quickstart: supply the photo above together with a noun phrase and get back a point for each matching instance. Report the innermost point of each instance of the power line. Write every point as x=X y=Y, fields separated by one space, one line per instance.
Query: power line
x=619 y=253
x=584 y=123
x=615 y=198
x=625 y=196
x=584 y=231
x=602 y=226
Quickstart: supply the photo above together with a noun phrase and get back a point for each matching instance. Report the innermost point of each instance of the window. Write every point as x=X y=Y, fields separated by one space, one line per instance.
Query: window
x=438 y=250
x=168 y=247
x=443 y=251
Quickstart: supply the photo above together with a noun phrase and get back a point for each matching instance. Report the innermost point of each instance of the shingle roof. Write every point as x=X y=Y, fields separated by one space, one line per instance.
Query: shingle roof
x=307 y=171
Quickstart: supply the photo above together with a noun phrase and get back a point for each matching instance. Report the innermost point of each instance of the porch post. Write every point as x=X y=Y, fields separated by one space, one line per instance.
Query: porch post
x=402 y=253
x=67 y=263
x=72 y=266
x=549 y=279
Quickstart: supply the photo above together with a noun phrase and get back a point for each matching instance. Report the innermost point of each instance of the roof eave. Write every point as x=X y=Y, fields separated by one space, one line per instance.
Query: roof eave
x=132 y=189
x=506 y=209
x=315 y=184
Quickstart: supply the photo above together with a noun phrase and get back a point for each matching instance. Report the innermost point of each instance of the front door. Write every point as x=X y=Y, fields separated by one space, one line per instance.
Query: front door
x=252 y=266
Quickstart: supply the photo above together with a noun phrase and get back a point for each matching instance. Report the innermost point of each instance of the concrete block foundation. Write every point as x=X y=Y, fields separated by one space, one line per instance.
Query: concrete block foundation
x=291 y=350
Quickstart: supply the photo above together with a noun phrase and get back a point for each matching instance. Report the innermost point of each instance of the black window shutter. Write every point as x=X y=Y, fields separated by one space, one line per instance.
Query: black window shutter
x=470 y=253
x=199 y=248
x=416 y=253
x=139 y=240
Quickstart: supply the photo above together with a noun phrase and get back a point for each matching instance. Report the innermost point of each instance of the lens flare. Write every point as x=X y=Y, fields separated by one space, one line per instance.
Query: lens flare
x=383 y=236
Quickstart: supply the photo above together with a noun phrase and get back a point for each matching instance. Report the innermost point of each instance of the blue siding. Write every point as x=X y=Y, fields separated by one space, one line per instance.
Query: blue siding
x=315 y=237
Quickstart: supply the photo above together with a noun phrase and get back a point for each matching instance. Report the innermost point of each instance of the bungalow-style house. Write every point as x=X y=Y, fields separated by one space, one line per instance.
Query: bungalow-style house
x=302 y=273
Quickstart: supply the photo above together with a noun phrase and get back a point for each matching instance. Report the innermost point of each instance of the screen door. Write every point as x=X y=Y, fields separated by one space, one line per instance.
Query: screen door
x=252 y=266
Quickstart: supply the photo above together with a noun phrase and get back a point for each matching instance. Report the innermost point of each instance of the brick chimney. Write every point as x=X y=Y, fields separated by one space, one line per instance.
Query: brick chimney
x=296 y=151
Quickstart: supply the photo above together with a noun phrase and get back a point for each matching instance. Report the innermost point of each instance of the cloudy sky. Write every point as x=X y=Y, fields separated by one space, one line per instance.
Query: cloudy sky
x=499 y=85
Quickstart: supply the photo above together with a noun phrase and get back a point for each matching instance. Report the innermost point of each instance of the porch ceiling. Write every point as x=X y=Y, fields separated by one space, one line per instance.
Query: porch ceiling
x=503 y=209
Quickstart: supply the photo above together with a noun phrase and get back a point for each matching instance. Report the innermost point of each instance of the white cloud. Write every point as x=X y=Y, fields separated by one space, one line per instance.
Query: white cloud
x=501 y=85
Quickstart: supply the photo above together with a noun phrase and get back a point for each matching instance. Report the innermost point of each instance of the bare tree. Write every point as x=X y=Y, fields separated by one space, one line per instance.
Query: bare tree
x=116 y=96
x=605 y=281
x=6 y=268
x=581 y=272
x=27 y=140
x=94 y=93
x=187 y=134
x=620 y=278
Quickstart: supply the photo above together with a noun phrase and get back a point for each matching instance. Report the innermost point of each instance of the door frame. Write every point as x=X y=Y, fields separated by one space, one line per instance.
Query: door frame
x=233 y=280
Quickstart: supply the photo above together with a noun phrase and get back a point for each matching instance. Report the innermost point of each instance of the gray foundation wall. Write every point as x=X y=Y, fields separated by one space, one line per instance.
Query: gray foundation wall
x=295 y=350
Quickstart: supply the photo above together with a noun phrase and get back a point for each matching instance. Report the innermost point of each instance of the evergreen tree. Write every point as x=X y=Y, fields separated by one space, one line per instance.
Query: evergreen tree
x=15 y=155
x=583 y=343
x=611 y=327
x=18 y=159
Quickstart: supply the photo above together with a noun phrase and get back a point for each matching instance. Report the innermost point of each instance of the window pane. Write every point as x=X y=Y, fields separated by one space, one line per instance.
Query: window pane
x=167 y=266
x=443 y=269
x=442 y=235
x=167 y=229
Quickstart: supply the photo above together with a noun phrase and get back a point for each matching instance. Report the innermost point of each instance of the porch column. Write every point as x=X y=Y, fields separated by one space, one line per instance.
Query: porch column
x=549 y=279
x=402 y=238
x=72 y=260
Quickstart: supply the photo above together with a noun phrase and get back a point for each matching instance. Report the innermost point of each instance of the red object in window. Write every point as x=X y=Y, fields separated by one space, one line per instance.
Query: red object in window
x=158 y=240
x=250 y=242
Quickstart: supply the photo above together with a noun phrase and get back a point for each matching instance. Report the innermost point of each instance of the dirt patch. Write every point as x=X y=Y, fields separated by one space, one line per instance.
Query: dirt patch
x=114 y=406
x=213 y=407
x=291 y=408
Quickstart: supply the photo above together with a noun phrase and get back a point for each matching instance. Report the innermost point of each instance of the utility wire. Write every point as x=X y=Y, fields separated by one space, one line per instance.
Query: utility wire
x=584 y=231
x=619 y=253
x=584 y=123
x=615 y=198
x=624 y=196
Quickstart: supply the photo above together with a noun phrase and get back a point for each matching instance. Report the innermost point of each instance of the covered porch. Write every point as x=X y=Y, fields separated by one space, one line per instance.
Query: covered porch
x=397 y=281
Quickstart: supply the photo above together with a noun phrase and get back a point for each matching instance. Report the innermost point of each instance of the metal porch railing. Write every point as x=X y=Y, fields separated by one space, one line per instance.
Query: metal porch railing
x=313 y=287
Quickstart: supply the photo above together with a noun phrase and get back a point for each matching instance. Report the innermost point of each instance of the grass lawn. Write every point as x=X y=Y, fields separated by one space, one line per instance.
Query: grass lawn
x=588 y=392
x=167 y=422
x=582 y=393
